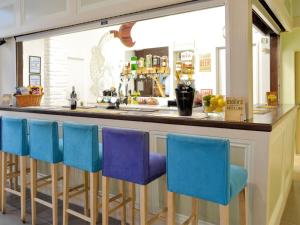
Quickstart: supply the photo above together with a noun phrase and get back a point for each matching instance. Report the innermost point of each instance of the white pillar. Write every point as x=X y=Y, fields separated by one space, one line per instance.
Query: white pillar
x=239 y=77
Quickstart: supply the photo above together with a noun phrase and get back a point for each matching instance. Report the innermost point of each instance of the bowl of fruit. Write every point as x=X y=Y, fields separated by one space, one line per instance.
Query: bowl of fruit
x=213 y=103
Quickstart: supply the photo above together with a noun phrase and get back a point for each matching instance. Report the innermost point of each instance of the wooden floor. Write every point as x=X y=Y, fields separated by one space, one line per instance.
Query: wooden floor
x=44 y=214
x=291 y=215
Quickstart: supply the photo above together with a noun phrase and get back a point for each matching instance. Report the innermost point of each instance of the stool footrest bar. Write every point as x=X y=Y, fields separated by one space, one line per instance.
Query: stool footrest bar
x=45 y=203
x=156 y=216
x=13 y=191
x=119 y=206
x=188 y=221
x=79 y=215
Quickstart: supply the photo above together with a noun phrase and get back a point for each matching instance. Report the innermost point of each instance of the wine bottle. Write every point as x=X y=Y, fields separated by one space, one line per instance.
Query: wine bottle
x=73 y=99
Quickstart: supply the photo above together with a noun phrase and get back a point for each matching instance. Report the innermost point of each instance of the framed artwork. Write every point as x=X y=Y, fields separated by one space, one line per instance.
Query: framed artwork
x=205 y=62
x=35 y=64
x=34 y=80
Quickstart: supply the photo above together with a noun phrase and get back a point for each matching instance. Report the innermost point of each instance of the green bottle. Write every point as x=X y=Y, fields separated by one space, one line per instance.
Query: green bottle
x=133 y=63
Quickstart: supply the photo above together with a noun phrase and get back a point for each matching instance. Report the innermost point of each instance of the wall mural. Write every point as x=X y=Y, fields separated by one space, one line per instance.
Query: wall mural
x=100 y=70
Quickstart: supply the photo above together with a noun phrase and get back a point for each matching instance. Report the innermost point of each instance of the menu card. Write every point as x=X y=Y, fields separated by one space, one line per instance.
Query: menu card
x=272 y=98
x=235 y=109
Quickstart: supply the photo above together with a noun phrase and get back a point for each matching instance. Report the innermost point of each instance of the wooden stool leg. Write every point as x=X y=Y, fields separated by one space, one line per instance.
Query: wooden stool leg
x=143 y=204
x=94 y=197
x=123 y=209
x=171 y=208
x=243 y=206
x=10 y=161
x=98 y=184
x=132 y=203
x=66 y=173
x=16 y=171
x=164 y=191
x=33 y=176
x=224 y=215
x=86 y=193
x=195 y=211
x=23 y=187
x=105 y=200
x=54 y=177
x=3 y=183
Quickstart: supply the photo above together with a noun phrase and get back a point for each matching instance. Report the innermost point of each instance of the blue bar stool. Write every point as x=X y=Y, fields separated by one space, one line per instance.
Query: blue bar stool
x=126 y=157
x=1 y=163
x=81 y=151
x=9 y=166
x=200 y=167
x=44 y=146
x=15 y=142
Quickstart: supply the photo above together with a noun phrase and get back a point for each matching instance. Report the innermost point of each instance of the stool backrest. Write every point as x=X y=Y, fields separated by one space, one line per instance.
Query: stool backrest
x=81 y=147
x=199 y=167
x=126 y=155
x=14 y=136
x=44 y=141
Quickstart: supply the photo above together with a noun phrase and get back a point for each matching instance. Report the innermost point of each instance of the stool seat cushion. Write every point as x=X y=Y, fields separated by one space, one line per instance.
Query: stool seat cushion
x=157 y=166
x=44 y=143
x=14 y=136
x=238 y=180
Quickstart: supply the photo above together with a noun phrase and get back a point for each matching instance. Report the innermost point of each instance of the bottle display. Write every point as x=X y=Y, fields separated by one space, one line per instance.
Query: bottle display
x=147 y=72
x=184 y=65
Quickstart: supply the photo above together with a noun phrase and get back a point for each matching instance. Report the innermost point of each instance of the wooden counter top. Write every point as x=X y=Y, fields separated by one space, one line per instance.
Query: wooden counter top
x=261 y=122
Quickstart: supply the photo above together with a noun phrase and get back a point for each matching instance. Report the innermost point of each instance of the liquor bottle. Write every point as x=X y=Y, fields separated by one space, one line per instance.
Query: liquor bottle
x=73 y=99
x=134 y=63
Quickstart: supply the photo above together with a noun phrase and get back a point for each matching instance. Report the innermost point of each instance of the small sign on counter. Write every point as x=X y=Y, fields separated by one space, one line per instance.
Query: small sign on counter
x=235 y=109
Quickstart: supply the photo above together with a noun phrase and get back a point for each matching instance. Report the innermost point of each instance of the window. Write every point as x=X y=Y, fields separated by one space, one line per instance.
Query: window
x=96 y=60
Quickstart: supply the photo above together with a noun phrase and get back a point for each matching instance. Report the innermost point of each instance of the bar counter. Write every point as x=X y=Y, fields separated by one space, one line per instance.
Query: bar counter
x=264 y=146
x=264 y=121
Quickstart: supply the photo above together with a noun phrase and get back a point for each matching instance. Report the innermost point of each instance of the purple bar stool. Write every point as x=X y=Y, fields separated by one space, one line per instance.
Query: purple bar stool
x=126 y=157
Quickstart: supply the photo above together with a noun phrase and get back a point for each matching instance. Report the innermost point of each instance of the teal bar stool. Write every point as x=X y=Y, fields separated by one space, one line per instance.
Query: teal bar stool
x=81 y=151
x=199 y=167
x=15 y=142
x=45 y=146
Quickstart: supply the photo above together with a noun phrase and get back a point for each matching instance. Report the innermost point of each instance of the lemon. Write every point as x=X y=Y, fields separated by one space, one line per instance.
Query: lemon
x=213 y=101
x=221 y=103
x=219 y=109
x=208 y=109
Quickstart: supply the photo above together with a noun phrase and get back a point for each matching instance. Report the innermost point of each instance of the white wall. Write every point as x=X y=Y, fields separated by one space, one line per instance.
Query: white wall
x=7 y=67
x=32 y=48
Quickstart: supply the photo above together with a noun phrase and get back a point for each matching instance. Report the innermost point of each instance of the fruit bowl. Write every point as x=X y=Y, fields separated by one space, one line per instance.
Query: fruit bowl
x=213 y=103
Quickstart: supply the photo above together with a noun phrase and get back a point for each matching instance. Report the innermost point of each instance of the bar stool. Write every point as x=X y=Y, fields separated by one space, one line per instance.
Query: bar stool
x=82 y=151
x=1 y=163
x=126 y=157
x=200 y=167
x=45 y=146
x=15 y=142
x=10 y=165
